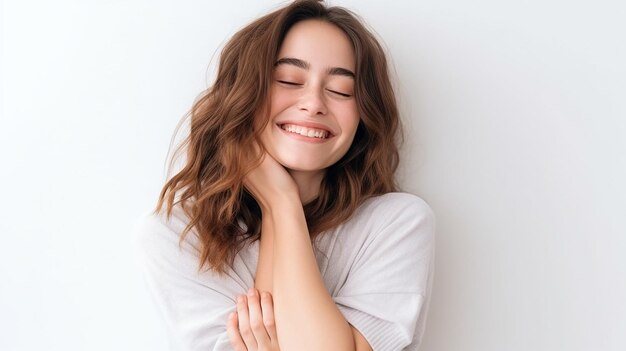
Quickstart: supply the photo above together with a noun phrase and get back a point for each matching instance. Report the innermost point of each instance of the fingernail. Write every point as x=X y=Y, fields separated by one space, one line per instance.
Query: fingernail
x=240 y=299
x=251 y=292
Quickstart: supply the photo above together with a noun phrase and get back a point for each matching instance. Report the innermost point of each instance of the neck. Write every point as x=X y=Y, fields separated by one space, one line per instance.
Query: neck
x=308 y=184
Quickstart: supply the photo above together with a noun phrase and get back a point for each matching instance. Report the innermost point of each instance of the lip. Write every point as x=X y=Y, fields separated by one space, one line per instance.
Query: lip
x=302 y=137
x=309 y=125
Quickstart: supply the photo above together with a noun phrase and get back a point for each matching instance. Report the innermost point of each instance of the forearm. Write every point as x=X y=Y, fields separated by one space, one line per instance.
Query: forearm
x=306 y=316
x=263 y=278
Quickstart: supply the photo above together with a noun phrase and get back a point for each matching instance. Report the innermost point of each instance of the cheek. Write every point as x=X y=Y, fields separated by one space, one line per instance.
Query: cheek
x=279 y=101
x=350 y=119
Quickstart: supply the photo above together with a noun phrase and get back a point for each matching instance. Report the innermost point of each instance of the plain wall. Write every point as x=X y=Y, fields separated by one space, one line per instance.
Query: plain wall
x=515 y=120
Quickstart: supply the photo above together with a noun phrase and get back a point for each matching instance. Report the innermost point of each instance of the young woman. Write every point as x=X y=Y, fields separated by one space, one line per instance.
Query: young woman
x=285 y=228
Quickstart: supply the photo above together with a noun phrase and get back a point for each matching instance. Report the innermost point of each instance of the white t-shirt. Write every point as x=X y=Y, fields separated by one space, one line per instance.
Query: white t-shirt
x=378 y=270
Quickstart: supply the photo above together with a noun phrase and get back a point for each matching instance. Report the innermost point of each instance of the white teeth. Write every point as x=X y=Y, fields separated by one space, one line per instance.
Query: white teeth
x=308 y=132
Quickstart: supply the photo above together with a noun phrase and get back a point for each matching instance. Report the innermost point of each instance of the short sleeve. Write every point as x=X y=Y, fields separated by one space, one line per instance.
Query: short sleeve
x=386 y=293
x=195 y=306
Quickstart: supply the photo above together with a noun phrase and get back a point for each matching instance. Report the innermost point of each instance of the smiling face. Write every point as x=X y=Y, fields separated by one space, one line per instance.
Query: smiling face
x=314 y=115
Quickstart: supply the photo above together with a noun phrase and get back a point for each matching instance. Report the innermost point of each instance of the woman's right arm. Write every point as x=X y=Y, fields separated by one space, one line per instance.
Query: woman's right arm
x=194 y=305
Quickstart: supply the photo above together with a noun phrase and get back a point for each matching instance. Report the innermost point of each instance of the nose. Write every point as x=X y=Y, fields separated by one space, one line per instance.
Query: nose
x=312 y=101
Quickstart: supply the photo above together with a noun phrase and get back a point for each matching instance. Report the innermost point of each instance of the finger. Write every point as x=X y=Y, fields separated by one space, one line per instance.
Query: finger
x=232 y=329
x=256 y=318
x=244 y=323
x=267 y=307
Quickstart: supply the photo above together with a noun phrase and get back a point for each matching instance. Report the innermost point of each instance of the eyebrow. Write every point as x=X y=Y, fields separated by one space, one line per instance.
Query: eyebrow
x=336 y=71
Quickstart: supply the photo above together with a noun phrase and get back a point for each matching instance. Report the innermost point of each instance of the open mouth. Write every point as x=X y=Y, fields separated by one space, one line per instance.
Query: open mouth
x=311 y=133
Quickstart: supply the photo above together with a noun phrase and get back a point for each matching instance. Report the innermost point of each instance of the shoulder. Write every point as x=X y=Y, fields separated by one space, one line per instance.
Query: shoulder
x=400 y=199
x=397 y=219
x=397 y=206
x=400 y=220
x=156 y=234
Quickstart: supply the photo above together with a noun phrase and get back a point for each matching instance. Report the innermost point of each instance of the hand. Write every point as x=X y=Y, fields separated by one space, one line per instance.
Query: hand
x=270 y=180
x=252 y=327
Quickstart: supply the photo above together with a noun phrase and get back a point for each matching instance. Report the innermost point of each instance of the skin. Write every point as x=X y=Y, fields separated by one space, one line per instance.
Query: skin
x=290 y=302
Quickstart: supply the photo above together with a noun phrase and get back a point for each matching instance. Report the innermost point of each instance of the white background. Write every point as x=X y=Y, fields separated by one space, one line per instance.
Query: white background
x=516 y=121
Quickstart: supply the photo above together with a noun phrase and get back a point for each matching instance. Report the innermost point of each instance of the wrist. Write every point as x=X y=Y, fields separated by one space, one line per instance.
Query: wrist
x=281 y=204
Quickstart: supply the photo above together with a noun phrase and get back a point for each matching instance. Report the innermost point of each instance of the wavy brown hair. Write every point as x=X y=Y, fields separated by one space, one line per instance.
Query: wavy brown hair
x=210 y=188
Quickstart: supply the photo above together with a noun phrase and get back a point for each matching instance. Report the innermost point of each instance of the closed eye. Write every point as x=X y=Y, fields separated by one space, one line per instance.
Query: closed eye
x=288 y=82
x=338 y=93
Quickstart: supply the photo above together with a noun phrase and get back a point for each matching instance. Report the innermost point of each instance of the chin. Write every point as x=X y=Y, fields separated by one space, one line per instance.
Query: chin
x=298 y=166
x=295 y=163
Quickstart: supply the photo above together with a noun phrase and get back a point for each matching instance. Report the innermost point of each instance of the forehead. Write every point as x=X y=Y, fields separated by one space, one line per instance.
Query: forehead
x=320 y=43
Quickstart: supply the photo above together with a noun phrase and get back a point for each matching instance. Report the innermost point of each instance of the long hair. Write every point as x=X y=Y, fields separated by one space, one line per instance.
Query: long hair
x=220 y=149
